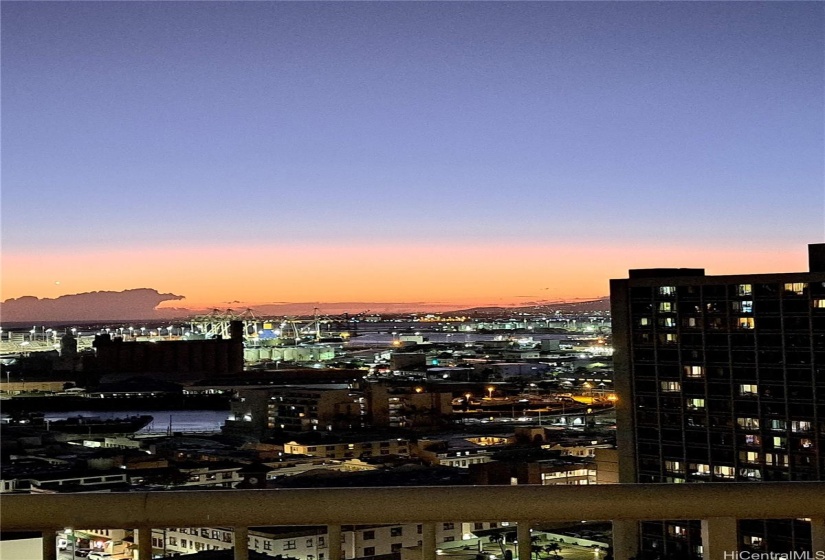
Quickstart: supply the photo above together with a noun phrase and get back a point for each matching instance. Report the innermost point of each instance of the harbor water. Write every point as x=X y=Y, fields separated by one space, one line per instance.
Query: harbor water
x=202 y=421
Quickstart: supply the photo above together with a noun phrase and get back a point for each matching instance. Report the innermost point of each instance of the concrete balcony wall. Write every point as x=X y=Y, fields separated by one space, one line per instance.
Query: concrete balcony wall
x=717 y=505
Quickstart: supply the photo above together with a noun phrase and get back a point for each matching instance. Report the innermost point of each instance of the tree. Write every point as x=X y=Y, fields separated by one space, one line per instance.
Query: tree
x=498 y=538
x=535 y=547
x=552 y=548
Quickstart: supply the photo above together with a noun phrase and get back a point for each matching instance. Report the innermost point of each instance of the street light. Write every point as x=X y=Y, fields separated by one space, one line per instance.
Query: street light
x=490 y=389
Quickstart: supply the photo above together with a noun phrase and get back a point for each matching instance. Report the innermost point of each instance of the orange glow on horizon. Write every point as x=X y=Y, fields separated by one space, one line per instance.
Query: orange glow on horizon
x=460 y=275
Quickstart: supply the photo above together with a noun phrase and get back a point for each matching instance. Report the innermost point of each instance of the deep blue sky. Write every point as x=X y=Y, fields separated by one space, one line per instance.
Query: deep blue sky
x=130 y=123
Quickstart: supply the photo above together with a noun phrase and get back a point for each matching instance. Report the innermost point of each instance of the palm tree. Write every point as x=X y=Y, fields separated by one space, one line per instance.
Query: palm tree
x=552 y=548
x=498 y=538
x=535 y=547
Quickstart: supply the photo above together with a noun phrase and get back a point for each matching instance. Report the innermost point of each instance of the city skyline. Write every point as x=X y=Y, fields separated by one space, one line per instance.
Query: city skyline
x=450 y=153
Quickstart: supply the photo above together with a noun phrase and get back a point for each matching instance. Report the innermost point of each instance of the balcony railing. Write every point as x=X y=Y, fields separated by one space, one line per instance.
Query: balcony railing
x=717 y=505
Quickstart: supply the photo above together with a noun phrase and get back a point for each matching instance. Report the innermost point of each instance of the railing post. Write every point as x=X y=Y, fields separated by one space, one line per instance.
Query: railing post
x=625 y=539
x=241 y=543
x=334 y=538
x=428 y=542
x=525 y=545
x=818 y=536
x=49 y=545
x=719 y=538
x=144 y=542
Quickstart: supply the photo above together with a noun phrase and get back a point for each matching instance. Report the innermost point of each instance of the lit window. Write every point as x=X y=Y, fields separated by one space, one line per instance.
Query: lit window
x=744 y=322
x=677 y=530
x=644 y=321
x=724 y=472
x=673 y=466
x=668 y=322
x=691 y=322
x=744 y=306
x=779 y=425
x=801 y=426
x=694 y=371
x=667 y=290
x=752 y=439
x=671 y=386
x=695 y=403
x=744 y=289
x=752 y=474
x=748 y=423
x=819 y=303
x=748 y=390
x=797 y=288
x=665 y=307
x=806 y=443
x=749 y=456
x=700 y=469
x=780 y=442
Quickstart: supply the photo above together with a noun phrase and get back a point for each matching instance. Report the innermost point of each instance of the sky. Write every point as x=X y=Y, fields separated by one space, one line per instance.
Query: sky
x=456 y=152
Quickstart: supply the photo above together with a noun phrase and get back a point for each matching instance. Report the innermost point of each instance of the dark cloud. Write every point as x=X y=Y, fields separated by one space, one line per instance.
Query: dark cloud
x=139 y=303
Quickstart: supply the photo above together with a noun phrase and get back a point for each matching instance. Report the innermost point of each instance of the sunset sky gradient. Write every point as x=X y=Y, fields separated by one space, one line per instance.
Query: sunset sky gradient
x=460 y=152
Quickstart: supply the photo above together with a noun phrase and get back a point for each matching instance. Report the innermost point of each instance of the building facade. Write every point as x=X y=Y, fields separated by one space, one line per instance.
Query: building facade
x=312 y=543
x=351 y=449
x=721 y=378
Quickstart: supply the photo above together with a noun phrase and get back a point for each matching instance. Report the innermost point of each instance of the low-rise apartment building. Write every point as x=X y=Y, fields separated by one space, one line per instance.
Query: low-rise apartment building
x=312 y=542
x=350 y=450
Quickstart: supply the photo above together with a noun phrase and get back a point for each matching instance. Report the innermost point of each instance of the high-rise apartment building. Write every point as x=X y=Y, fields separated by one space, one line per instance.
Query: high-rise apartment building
x=721 y=378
